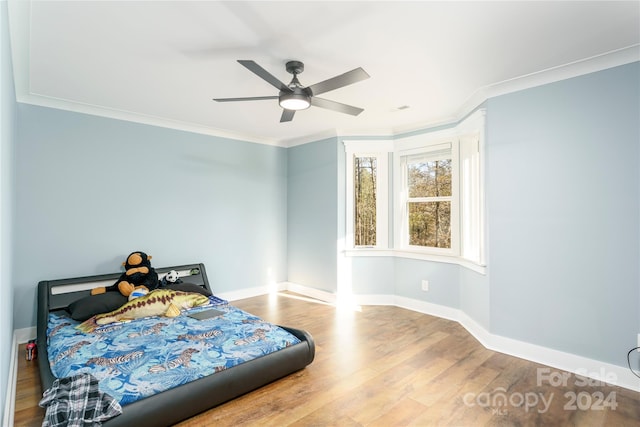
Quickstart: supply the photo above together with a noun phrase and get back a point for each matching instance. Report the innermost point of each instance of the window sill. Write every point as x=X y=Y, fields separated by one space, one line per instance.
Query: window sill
x=369 y=252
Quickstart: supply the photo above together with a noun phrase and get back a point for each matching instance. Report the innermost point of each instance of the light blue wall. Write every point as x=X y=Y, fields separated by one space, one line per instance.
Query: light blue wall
x=444 y=281
x=562 y=165
x=403 y=277
x=563 y=203
x=562 y=170
x=475 y=296
x=7 y=141
x=372 y=275
x=362 y=275
x=449 y=284
x=313 y=214
x=90 y=190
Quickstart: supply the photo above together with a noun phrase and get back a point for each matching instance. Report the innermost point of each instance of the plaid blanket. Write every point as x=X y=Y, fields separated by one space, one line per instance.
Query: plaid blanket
x=77 y=402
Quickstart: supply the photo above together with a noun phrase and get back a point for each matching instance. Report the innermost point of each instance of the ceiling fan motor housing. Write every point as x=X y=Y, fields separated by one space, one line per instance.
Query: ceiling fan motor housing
x=295 y=67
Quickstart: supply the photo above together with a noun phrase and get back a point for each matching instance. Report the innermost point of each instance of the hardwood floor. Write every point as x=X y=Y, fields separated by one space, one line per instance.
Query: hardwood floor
x=386 y=366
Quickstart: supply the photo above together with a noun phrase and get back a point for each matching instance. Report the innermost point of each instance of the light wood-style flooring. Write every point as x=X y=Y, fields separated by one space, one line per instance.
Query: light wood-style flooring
x=387 y=366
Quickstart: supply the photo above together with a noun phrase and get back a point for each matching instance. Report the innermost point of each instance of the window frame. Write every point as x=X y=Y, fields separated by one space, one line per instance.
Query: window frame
x=423 y=145
x=468 y=138
x=379 y=149
x=472 y=217
x=470 y=252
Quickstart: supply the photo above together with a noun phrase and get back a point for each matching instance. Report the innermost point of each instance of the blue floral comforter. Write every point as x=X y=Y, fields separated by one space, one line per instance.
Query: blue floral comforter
x=143 y=357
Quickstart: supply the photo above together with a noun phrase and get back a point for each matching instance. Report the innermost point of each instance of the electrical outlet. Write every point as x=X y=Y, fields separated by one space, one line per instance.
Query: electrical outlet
x=425 y=287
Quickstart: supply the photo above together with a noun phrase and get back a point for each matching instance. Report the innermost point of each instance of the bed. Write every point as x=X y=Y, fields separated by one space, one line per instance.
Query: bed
x=55 y=297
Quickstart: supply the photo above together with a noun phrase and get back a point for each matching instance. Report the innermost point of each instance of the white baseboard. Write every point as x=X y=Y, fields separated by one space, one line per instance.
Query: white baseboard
x=321 y=295
x=582 y=366
x=579 y=365
x=20 y=336
x=250 y=292
x=12 y=381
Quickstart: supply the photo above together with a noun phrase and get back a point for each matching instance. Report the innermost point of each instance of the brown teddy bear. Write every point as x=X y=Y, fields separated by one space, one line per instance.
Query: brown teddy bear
x=138 y=274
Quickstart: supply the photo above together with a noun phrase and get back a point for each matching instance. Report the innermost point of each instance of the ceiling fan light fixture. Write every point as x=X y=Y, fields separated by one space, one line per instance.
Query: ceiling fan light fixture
x=296 y=100
x=294 y=96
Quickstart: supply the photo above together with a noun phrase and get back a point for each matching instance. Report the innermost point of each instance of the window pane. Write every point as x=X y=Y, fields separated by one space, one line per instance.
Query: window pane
x=365 y=170
x=430 y=224
x=429 y=178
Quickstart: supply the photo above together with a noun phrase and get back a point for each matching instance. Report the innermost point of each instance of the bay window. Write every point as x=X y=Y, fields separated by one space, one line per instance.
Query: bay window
x=437 y=196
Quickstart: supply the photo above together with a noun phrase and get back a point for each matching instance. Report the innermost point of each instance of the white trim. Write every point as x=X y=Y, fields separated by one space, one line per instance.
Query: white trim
x=318 y=294
x=576 y=364
x=369 y=252
x=19 y=27
x=614 y=58
x=307 y=139
x=382 y=201
x=429 y=308
x=368 y=146
x=419 y=255
x=472 y=223
x=19 y=12
x=135 y=117
x=412 y=304
x=424 y=144
x=379 y=149
x=482 y=269
x=466 y=140
x=12 y=381
x=249 y=292
x=579 y=365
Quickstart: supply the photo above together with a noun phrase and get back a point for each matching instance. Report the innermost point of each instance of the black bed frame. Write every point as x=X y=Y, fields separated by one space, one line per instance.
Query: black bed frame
x=185 y=401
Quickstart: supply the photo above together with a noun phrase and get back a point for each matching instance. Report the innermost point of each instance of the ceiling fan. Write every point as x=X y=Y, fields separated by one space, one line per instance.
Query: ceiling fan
x=294 y=96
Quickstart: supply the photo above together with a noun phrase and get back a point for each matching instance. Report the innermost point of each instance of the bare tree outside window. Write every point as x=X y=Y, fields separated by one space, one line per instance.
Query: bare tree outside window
x=429 y=204
x=365 y=171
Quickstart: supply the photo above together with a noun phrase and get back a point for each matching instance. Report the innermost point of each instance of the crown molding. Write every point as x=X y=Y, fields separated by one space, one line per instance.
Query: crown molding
x=581 y=67
x=380 y=133
x=19 y=28
x=615 y=58
x=19 y=32
x=131 y=116
x=293 y=142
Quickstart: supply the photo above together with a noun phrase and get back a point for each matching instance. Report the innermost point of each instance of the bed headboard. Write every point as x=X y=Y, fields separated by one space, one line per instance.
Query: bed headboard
x=60 y=293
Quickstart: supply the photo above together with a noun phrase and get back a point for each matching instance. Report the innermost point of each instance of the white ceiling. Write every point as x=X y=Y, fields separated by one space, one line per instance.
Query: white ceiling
x=162 y=62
